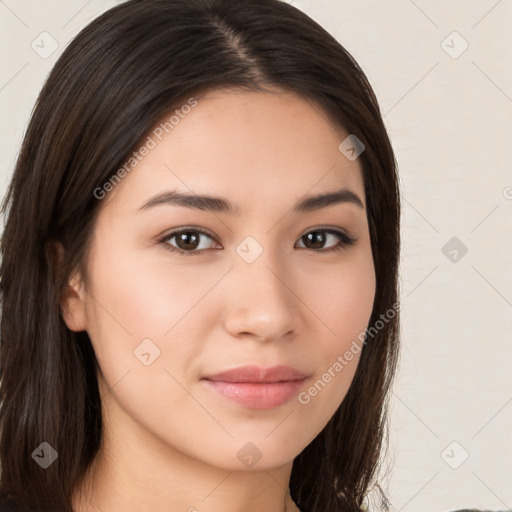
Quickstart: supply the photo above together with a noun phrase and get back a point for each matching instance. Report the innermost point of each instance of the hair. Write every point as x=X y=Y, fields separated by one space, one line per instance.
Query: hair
x=109 y=88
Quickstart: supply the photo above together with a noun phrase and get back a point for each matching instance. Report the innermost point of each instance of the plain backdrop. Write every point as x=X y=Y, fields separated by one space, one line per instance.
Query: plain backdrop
x=442 y=72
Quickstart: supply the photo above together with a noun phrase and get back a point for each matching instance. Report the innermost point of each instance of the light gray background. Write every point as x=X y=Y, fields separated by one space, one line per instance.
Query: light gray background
x=448 y=113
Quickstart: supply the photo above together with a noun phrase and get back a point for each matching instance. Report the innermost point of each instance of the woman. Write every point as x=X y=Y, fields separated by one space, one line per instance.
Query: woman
x=252 y=375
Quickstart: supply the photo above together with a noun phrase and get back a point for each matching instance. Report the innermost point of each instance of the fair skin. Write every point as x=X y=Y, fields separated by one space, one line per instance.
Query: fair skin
x=169 y=442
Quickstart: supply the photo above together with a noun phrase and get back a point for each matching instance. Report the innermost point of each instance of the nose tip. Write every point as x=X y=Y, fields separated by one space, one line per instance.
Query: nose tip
x=260 y=304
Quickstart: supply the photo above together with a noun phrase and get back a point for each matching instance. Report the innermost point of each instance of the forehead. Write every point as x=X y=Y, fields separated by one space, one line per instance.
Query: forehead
x=246 y=146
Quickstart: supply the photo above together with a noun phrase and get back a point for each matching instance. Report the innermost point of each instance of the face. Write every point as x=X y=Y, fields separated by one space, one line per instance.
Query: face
x=178 y=293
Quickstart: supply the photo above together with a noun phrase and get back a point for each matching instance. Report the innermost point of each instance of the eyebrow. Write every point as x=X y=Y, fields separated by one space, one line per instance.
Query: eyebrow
x=220 y=205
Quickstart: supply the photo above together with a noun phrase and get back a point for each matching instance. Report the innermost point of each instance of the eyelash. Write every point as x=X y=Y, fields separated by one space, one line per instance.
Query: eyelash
x=345 y=240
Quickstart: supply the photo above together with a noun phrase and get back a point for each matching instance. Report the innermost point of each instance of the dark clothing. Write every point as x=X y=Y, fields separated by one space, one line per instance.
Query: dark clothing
x=8 y=505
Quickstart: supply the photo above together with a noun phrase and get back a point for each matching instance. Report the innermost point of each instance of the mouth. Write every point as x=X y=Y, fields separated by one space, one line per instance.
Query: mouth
x=255 y=374
x=257 y=388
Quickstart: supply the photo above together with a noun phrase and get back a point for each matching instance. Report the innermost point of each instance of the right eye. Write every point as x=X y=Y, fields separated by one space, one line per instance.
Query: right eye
x=188 y=241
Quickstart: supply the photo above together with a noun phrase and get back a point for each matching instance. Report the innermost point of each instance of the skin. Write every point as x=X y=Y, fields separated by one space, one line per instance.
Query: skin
x=170 y=443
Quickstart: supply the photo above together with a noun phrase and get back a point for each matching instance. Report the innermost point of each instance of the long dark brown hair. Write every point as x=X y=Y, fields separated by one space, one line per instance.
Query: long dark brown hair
x=111 y=86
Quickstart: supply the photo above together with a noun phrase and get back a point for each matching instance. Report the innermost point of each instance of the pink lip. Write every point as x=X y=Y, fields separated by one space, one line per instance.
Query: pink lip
x=257 y=388
x=251 y=373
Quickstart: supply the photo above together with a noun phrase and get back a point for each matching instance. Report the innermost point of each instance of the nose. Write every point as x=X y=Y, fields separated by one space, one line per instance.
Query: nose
x=260 y=300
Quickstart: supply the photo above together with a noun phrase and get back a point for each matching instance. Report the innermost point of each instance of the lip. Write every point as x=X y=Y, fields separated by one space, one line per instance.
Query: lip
x=257 y=388
x=255 y=374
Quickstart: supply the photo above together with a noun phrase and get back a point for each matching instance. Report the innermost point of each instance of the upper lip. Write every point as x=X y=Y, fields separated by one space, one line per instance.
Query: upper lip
x=251 y=373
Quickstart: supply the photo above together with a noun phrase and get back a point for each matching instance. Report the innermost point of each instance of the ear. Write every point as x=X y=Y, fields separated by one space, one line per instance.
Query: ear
x=72 y=305
x=72 y=297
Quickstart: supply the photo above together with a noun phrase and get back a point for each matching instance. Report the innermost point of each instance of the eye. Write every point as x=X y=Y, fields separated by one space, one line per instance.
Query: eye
x=319 y=237
x=188 y=240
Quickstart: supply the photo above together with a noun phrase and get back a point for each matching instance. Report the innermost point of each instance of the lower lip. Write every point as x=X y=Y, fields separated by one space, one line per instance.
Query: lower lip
x=255 y=395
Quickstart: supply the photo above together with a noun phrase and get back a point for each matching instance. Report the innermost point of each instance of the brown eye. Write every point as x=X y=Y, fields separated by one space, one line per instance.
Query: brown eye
x=188 y=241
x=317 y=239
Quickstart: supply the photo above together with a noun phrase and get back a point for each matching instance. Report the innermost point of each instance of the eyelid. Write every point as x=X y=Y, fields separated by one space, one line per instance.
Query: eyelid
x=331 y=229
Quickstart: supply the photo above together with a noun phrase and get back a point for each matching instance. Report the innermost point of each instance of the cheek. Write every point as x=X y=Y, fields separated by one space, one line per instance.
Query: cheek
x=343 y=299
x=135 y=300
x=349 y=303
x=343 y=302
x=145 y=329
x=143 y=297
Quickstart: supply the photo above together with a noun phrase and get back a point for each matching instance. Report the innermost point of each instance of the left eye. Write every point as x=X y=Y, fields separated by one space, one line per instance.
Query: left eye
x=343 y=239
x=189 y=243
